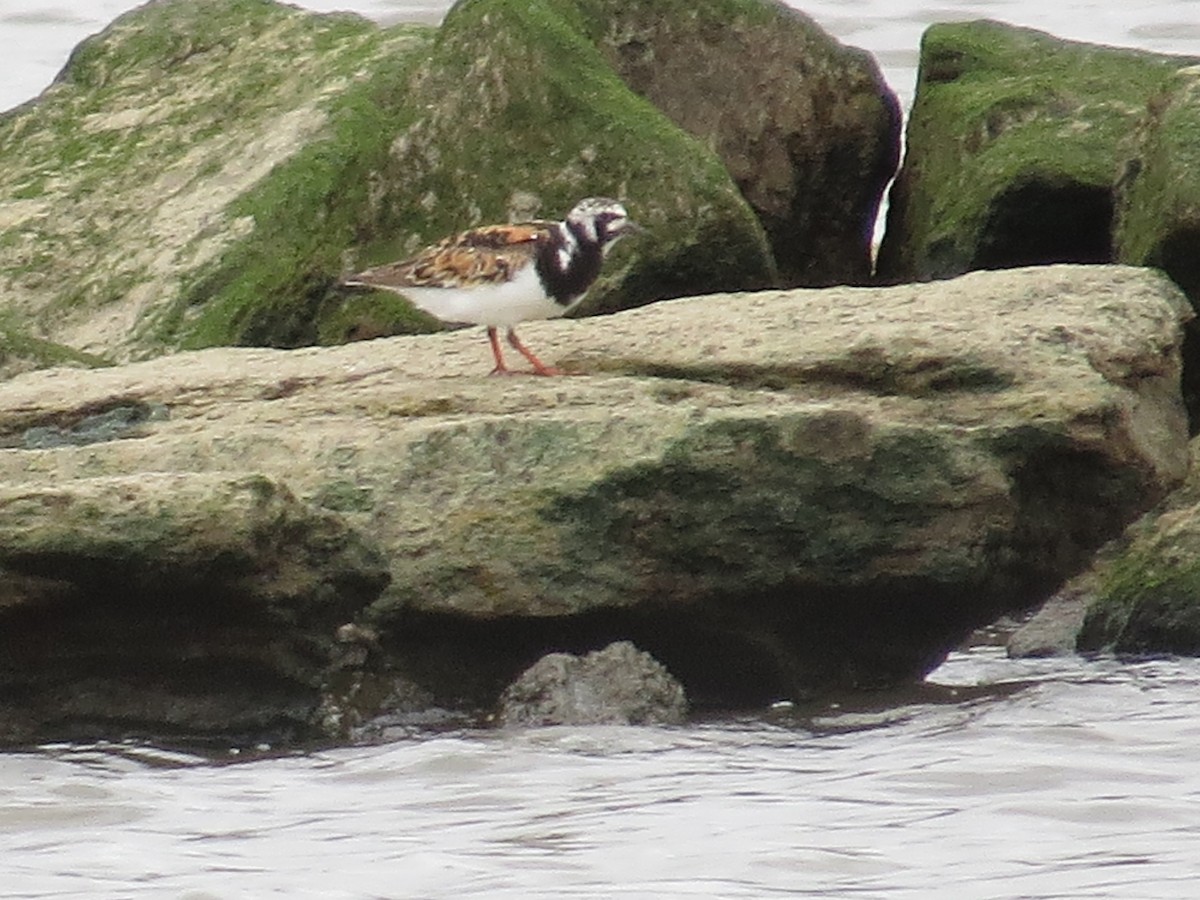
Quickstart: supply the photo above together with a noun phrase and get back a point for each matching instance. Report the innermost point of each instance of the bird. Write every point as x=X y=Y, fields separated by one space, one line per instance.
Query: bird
x=501 y=275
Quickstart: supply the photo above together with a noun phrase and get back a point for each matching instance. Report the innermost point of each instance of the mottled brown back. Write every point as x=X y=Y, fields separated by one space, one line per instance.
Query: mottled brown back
x=489 y=255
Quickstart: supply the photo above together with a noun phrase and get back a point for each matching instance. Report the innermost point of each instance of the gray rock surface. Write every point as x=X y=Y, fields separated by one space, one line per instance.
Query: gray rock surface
x=1054 y=629
x=619 y=685
x=770 y=492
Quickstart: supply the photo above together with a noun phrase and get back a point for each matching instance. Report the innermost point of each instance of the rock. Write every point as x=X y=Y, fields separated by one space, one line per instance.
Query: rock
x=194 y=174
x=1054 y=629
x=1158 y=203
x=772 y=493
x=807 y=127
x=518 y=114
x=1013 y=148
x=619 y=685
x=1144 y=589
x=204 y=170
x=168 y=603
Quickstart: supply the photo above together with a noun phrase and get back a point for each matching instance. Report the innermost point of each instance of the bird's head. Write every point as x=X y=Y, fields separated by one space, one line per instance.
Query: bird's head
x=600 y=220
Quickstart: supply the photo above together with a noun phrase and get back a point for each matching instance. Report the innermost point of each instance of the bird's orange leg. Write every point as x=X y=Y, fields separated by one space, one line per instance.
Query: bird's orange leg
x=501 y=368
x=539 y=367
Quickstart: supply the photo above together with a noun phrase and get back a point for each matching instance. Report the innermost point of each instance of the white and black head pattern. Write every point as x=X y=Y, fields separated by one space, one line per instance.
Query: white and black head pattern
x=599 y=220
x=570 y=260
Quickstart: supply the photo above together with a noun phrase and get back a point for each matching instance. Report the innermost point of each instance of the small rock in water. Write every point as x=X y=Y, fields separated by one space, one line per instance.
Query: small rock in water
x=619 y=685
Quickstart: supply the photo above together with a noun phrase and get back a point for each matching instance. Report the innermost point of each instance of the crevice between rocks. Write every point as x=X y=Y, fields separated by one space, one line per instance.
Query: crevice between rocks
x=1177 y=256
x=111 y=419
x=869 y=369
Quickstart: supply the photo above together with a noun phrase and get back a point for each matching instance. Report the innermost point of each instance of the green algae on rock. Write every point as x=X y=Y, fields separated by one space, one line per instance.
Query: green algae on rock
x=1158 y=204
x=1158 y=214
x=521 y=115
x=1144 y=589
x=193 y=162
x=1013 y=148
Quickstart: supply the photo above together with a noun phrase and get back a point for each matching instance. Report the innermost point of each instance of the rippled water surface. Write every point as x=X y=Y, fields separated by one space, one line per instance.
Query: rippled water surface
x=1057 y=780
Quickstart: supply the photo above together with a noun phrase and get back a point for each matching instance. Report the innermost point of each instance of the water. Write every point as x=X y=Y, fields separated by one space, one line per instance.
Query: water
x=1058 y=779
x=37 y=35
x=1051 y=779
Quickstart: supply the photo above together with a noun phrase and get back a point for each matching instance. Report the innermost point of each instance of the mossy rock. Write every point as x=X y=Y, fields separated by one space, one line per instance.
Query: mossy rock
x=196 y=168
x=522 y=116
x=203 y=172
x=806 y=126
x=1013 y=148
x=1158 y=222
x=21 y=351
x=1145 y=587
x=1158 y=204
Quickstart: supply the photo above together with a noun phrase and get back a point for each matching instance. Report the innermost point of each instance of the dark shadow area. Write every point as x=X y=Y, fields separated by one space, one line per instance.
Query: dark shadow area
x=1038 y=223
x=1179 y=257
x=794 y=646
x=113 y=649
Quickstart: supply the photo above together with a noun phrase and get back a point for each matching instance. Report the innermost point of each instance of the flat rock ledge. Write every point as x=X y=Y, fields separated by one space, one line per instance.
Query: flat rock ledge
x=772 y=493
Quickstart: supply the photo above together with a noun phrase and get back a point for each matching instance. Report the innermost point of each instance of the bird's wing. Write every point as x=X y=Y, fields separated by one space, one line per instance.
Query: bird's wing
x=488 y=255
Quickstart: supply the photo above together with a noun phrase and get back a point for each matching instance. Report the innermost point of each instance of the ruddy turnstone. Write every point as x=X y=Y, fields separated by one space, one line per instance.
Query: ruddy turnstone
x=499 y=275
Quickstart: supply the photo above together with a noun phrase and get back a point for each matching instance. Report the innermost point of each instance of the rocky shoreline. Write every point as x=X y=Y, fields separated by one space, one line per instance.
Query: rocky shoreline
x=225 y=514
x=773 y=493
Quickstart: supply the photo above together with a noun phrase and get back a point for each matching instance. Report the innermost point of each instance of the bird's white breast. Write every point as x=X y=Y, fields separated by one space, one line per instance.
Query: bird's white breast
x=502 y=305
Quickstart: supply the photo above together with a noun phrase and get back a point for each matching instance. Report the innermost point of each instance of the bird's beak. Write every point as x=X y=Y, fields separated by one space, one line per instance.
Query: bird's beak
x=631 y=227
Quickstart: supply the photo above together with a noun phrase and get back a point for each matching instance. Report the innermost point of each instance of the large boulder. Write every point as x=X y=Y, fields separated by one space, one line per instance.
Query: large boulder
x=806 y=126
x=517 y=114
x=195 y=164
x=1158 y=203
x=202 y=172
x=170 y=603
x=1143 y=593
x=1014 y=144
x=771 y=493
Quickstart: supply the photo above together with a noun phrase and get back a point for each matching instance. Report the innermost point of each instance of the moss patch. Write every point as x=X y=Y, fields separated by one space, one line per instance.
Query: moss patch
x=193 y=162
x=731 y=486
x=525 y=116
x=999 y=110
x=1145 y=605
x=203 y=172
x=1146 y=586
